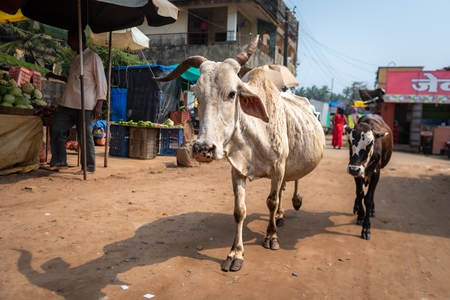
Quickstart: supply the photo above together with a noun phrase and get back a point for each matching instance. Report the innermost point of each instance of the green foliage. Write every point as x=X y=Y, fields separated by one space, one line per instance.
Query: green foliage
x=323 y=94
x=64 y=58
x=118 y=57
x=11 y=61
x=36 y=44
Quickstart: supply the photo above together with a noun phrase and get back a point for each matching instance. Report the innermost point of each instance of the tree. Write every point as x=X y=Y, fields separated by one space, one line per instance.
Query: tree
x=323 y=94
x=38 y=47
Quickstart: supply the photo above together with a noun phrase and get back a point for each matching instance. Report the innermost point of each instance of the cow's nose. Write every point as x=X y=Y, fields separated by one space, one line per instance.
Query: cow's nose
x=198 y=148
x=203 y=151
x=354 y=170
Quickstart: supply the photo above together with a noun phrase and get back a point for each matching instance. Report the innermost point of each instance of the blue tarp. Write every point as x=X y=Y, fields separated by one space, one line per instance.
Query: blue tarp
x=119 y=104
x=335 y=103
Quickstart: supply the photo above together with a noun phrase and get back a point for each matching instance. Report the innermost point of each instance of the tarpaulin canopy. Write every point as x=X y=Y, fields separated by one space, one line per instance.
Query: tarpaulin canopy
x=147 y=99
x=191 y=75
x=130 y=39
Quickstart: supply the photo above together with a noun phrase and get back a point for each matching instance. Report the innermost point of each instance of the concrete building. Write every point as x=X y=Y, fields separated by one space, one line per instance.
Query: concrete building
x=220 y=29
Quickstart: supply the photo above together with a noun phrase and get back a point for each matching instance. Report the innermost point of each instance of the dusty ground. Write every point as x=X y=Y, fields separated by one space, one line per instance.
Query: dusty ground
x=164 y=230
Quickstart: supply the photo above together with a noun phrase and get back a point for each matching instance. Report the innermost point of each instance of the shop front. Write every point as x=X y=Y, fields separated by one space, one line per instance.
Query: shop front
x=417 y=108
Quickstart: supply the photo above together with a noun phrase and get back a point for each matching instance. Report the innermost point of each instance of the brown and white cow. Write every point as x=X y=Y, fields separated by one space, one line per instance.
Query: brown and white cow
x=370 y=151
x=263 y=133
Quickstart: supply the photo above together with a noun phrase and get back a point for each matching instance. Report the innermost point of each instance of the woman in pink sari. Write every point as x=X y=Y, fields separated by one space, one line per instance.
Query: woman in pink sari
x=339 y=121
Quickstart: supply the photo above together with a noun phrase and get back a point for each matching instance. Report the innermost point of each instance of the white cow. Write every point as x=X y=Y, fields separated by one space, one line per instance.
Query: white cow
x=264 y=133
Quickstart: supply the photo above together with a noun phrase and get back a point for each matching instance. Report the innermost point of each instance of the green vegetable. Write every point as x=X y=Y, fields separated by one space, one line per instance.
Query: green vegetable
x=21 y=100
x=168 y=123
x=13 y=83
x=9 y=98
x=27 y=87
x=37 y=94
x=15 y=91
x=6 y=104
x=3 y=90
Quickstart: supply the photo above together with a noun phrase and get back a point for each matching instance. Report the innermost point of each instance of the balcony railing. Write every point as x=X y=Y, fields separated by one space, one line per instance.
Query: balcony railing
x=198 y=38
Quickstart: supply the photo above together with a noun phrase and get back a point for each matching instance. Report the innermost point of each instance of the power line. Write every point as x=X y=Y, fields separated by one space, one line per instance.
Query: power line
x=317 y=52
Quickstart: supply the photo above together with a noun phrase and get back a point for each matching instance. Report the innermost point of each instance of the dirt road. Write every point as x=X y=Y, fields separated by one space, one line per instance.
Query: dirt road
x=164 y=230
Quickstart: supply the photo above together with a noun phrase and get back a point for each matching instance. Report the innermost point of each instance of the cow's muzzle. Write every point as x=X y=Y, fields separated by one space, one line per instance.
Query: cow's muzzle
x=203 y=152
x=355 y=171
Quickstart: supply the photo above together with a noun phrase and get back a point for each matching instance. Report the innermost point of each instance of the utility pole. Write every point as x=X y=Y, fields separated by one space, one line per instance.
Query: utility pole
x=331 y=95
x=286 y=36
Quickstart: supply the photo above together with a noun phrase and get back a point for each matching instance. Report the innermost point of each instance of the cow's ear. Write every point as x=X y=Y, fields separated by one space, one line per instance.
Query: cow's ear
x=252 y=105
x=379 y=134
x=348 y=129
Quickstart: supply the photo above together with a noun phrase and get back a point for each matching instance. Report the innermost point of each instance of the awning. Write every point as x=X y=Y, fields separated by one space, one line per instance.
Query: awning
x=7 y=18
x=127 y=39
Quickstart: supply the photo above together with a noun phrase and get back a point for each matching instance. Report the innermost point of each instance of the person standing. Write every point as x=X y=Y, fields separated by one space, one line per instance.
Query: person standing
x=339 y=122
x=69 y=112
x=353 y=118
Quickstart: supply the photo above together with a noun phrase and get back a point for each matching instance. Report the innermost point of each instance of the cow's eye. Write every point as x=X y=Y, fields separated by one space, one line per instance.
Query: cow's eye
x=231 y=95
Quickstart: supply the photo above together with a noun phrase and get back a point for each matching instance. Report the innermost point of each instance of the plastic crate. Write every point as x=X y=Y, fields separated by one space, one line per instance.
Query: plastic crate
x=20 y=75
x=170 y=140
x=36 y=80
x=143 y=142
x=119 y=143
x=179 y=117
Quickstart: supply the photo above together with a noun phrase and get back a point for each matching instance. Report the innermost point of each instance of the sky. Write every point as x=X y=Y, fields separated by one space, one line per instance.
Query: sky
x=345 y=41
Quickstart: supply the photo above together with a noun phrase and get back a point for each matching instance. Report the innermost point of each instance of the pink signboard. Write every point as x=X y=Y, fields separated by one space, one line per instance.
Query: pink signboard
x=418 y=87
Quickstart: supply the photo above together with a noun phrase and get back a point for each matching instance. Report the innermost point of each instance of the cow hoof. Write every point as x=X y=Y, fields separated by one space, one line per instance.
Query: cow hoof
x=372 y=214
x=297 y=202
x=365 y=234
x=271 y=244
x=226 y=265
x=355 y=209
x=280 y=222
x=237 y=265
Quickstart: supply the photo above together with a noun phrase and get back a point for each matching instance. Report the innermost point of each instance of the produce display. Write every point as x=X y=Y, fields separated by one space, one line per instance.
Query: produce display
x=26 y=96
x=166 y=124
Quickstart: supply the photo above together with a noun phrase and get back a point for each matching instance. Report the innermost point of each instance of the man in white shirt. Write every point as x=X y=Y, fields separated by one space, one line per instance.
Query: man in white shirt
x=69 y=111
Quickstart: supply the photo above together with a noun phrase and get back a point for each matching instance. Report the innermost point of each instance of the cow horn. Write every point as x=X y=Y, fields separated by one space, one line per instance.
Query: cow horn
x=243 y=57
x=193 y=61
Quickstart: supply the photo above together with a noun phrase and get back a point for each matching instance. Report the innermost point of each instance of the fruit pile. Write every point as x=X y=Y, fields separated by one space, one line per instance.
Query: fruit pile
x=166 y=124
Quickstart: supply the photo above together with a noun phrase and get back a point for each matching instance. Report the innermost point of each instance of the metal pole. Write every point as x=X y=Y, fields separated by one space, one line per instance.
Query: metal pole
x=108 y=99
x=83 y=117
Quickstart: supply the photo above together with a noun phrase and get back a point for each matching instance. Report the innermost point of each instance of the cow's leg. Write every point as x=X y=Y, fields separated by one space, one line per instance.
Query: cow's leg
x=296 y=198
x=280 y=212
x=372 y=210
x=271 y=239
x=368 y=203
x=235 y=258
x=358 y=207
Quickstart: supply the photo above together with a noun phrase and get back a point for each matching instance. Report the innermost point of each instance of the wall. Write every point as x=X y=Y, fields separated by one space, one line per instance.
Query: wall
x=169 y=55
